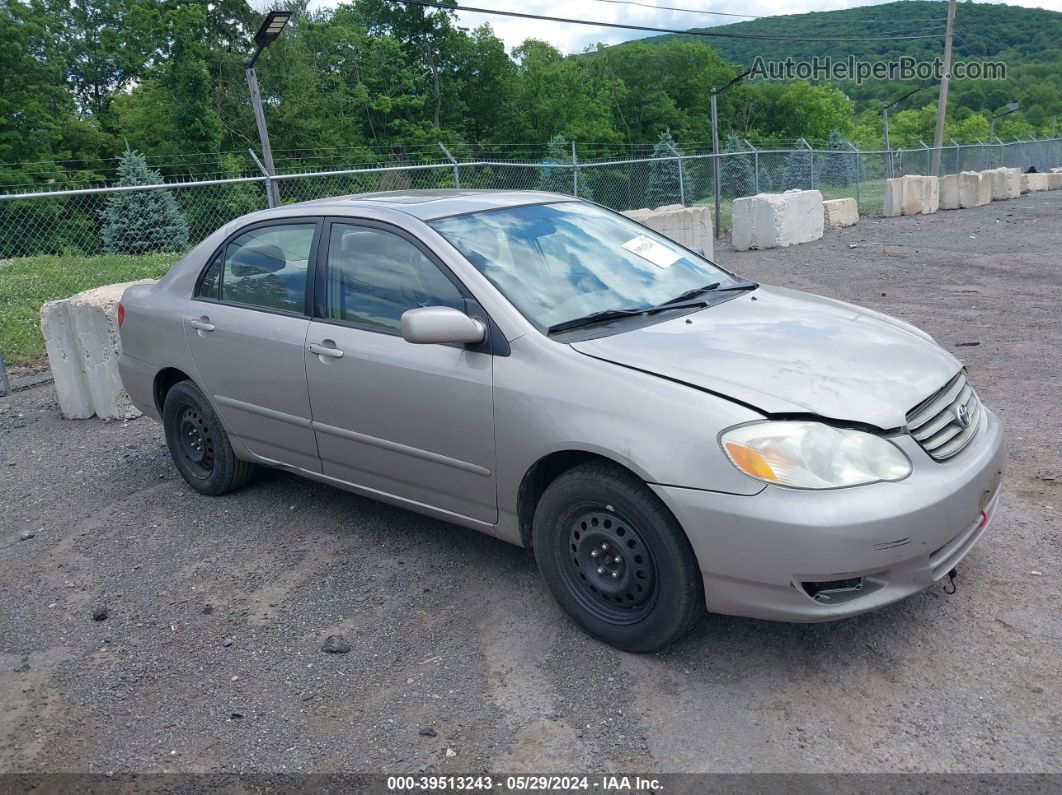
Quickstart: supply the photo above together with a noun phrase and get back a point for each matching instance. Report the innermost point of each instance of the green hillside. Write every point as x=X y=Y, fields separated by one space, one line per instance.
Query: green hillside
x=1027 y=40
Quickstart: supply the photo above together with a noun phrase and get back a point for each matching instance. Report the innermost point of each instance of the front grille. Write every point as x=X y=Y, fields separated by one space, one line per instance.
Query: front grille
x=938 y=422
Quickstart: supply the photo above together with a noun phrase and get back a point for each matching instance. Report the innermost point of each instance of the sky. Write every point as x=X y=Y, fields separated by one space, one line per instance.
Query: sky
x=575 y=38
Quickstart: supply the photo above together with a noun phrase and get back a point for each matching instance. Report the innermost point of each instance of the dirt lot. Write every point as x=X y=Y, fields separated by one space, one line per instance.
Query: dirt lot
x=209 y=659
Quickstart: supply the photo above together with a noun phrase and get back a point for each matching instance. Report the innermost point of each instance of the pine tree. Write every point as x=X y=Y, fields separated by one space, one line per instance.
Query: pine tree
x=139 y=222
x=737 y=172
x=551 y=178
x=838 y=167
x=664 y=174
x=798 y=165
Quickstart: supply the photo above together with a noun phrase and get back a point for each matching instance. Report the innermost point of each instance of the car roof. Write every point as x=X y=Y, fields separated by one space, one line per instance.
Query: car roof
x=430 y=204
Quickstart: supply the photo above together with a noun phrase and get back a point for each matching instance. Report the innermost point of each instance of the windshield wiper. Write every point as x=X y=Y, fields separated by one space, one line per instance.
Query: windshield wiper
x=594 y=317
x=678 y=302
x=708 y=288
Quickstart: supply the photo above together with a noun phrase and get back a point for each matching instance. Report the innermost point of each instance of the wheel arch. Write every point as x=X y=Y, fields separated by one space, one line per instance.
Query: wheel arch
x=546 y=470
x=165 y=379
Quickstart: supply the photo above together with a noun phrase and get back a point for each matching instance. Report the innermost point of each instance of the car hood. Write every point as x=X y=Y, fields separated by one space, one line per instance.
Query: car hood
x=787 y=352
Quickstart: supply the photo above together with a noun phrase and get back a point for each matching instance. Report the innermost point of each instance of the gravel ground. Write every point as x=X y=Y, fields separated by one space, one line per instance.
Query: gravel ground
x=209 y=658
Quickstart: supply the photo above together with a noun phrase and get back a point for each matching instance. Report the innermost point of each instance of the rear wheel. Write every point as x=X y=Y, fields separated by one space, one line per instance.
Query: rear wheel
x=616 y=559
x=198 y=444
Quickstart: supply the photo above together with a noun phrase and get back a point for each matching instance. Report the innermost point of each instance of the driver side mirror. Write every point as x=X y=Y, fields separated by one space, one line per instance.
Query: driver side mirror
x=437 y=325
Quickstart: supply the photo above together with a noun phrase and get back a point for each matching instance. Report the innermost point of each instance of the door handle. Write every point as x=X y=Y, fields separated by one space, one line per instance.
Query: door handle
x=201 y=324
x=325 y=350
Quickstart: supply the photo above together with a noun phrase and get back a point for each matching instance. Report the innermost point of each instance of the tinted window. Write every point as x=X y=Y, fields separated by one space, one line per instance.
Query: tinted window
x=374 y=276
x=265 y=267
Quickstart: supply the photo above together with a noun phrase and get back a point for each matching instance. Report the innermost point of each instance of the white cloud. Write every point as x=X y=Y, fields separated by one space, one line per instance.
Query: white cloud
x=575 y=38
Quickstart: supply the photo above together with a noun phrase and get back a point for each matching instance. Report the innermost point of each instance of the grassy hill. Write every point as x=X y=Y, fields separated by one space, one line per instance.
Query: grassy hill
x=1027 y=40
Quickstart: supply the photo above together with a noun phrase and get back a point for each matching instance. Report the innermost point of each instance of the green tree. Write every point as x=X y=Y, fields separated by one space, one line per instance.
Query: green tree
x=737 y=171
x=663 y=185
x=799 y=167
x=839 y=162
x=139 y=222
x=559 y=180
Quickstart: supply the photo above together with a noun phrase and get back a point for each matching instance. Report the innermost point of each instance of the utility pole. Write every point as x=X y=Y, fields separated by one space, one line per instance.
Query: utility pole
x=888 y=149
x=942 y=99
x=715 y=161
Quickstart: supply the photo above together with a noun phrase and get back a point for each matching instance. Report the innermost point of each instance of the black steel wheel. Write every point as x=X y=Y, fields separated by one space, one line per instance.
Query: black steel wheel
x=616 y=559
x=612 y=568
x=198 y=444
x=195 y=441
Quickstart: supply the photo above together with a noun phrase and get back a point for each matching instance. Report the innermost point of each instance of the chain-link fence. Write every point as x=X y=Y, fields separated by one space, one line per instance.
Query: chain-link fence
x=73 y=221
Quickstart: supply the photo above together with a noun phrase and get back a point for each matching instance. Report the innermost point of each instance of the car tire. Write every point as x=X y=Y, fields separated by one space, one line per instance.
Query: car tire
x=616 y=559
x=198 y=443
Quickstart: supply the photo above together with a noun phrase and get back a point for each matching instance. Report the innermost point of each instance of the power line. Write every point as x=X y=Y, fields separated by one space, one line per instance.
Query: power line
x=707 y=33
x=921 y=24
x=675 y=8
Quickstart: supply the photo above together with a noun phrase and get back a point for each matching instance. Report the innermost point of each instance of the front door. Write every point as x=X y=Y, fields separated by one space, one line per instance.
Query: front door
x=246 y=333
x=410 y=421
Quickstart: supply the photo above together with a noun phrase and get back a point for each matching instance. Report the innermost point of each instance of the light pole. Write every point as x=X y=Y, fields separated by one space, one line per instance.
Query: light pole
x=272 y=26
x=1012 y=107
x=885 y=114
x=715 y=144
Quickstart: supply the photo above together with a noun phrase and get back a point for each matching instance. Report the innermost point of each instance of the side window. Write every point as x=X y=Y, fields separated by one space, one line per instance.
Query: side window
x=265 y=267
x=210 y=287
x=374 y=276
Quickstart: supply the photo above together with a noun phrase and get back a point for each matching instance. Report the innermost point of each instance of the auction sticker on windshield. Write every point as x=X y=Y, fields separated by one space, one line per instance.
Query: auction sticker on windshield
x=659 y=255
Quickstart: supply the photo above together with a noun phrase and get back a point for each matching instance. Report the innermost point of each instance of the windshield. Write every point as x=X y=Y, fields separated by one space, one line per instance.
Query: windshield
x=557 y=262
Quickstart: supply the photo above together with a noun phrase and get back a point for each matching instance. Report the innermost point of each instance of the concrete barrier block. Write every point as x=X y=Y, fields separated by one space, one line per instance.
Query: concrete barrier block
x=912 y=195
x=81 y=337
x=1054 y=180
x=966 y=189
x=1006 y=183
x=840 y=213
x=949 y=192
x=769 y=220
x=1030 y=182
x=978 y=192
x=688 y=226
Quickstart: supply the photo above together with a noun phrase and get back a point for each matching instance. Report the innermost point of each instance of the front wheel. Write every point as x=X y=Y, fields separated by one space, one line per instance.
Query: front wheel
x=198 y=444
x=616 y=559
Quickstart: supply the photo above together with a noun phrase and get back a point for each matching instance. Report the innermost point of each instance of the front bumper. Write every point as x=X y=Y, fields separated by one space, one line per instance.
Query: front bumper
x=757 y=553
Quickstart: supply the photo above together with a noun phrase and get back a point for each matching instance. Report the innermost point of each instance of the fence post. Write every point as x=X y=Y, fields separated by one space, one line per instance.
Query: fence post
x=858 y=177
x=575 y=173
x=271 y=190
x=755 y=163
x=456 y=165
x=681 y=181
x=812 y=157
x=958 y=166
x=924 y=146
x=5 y=383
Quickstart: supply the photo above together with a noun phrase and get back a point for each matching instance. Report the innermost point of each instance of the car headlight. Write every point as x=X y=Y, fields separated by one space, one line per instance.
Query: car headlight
x=812 y=455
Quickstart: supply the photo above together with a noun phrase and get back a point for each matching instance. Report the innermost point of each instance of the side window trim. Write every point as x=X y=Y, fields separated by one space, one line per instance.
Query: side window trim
x=320 y=302
x=311 y=268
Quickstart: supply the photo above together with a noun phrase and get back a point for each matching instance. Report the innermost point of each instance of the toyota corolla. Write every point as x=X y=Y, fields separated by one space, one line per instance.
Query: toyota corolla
x=666 y=436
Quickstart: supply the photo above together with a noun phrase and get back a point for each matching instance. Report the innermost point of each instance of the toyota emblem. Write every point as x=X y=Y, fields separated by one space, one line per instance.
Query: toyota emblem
x=962 y=414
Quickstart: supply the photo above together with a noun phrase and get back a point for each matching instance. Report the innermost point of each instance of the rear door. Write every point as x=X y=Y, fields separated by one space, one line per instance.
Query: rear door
x=247 y=336
x=410 y=421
